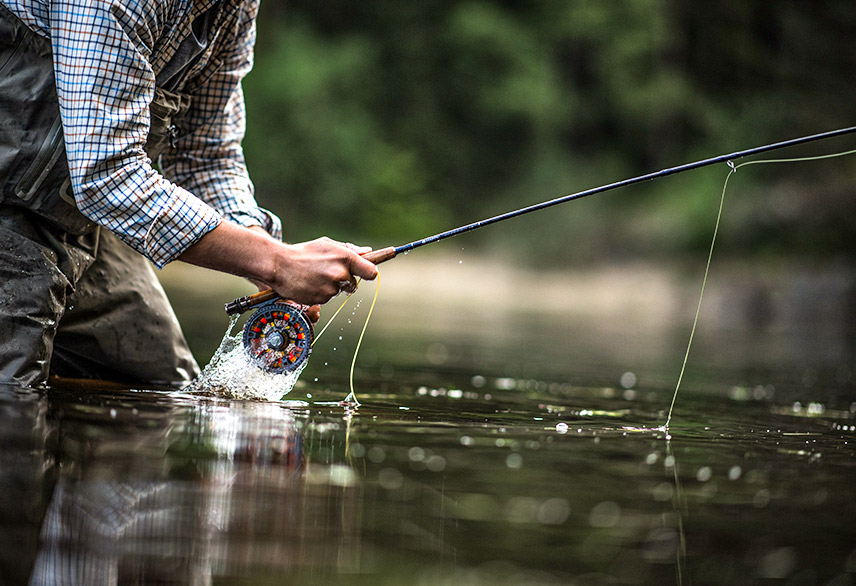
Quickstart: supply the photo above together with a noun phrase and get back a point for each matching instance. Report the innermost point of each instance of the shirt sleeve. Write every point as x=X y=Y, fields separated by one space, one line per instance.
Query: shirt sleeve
x=105 y=85
x=208 y=159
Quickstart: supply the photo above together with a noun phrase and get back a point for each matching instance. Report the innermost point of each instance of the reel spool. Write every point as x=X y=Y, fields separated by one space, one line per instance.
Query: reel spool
x=278 y=337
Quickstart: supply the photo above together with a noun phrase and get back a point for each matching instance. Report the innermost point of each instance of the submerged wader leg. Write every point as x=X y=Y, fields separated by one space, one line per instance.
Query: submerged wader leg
x=32 y=300
x=67 y=312
x=120 y=325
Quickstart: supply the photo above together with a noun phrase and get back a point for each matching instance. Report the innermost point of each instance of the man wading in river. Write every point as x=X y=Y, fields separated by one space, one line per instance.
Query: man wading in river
x=90 y=95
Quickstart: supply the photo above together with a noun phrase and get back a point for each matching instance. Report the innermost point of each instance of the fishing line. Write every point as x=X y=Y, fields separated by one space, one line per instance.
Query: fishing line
x=351 y=399
x=680 y=510
x=352 y=396
x=732 y=171
x=279 y=335
x=332 y=317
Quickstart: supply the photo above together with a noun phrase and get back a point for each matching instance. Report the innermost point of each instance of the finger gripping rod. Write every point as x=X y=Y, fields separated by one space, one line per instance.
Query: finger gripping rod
x=242 y=304
x=384 y=254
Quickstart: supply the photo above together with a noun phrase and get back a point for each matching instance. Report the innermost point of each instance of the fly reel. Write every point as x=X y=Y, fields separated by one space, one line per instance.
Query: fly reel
x=278 y=337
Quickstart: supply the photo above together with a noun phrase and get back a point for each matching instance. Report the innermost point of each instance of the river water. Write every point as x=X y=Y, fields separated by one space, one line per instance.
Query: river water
x=495 y=443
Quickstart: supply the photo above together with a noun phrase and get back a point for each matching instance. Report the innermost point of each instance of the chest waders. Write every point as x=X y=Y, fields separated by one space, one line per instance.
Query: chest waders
x=76 y=301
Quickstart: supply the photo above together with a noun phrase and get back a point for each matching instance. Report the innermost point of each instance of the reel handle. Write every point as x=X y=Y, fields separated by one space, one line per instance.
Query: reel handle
x=242 y=304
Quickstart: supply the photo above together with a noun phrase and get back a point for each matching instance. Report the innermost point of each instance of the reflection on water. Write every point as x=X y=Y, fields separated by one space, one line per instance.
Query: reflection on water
x=478 y=481
x=146 y=487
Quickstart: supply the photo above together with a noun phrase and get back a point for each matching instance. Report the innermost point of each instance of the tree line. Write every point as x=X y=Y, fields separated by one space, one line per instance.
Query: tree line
x=384 y=121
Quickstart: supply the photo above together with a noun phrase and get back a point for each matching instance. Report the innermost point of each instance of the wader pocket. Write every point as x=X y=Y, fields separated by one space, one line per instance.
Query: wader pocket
x=48 y=155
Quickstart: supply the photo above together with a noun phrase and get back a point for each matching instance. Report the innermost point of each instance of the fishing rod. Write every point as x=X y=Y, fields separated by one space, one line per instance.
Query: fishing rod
x=388 y=253
x=281 y=338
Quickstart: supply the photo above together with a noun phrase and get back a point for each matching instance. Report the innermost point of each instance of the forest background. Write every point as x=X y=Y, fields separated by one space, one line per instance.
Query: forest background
x=383 y=122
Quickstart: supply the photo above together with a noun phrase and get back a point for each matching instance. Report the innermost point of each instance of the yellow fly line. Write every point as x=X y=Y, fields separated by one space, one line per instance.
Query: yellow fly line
x=732 y=171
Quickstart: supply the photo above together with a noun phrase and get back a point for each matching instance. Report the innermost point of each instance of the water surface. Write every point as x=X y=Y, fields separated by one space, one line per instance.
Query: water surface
x=509 y=433
x=484 y=482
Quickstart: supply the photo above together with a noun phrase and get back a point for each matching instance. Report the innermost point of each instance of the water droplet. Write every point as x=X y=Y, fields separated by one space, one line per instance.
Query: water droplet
x=554 y=511
x=376 y=454
x=514 y=461
x=628 y=380
x=605 y=514
x=435 y=463
x=704 y=474
x=390 y=478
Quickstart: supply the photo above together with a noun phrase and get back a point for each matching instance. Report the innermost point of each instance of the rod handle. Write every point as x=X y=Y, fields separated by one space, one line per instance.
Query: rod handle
x=242 y=304
x=379 y=256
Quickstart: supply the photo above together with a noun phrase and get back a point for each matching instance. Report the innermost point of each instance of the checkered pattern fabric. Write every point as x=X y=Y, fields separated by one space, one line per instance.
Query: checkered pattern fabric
x=106 y=57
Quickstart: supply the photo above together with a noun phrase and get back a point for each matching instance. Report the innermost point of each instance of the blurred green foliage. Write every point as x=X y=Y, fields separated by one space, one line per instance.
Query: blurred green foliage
x=383 y=122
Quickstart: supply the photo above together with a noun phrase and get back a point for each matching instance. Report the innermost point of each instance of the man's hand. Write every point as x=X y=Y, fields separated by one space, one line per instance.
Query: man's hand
x=310 y=273
x=313 y=312
x=318 y=270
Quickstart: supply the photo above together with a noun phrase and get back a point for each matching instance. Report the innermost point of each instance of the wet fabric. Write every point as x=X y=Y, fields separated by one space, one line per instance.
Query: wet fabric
x=83 y=306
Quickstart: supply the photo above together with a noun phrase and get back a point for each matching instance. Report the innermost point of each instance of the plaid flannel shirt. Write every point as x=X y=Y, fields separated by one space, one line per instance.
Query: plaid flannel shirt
x=106 y=57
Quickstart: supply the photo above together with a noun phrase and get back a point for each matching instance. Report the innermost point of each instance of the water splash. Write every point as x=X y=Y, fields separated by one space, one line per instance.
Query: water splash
x=231 y=373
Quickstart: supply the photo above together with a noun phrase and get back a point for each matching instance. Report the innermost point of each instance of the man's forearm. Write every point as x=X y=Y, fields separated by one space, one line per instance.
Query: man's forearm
x=237 y=250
